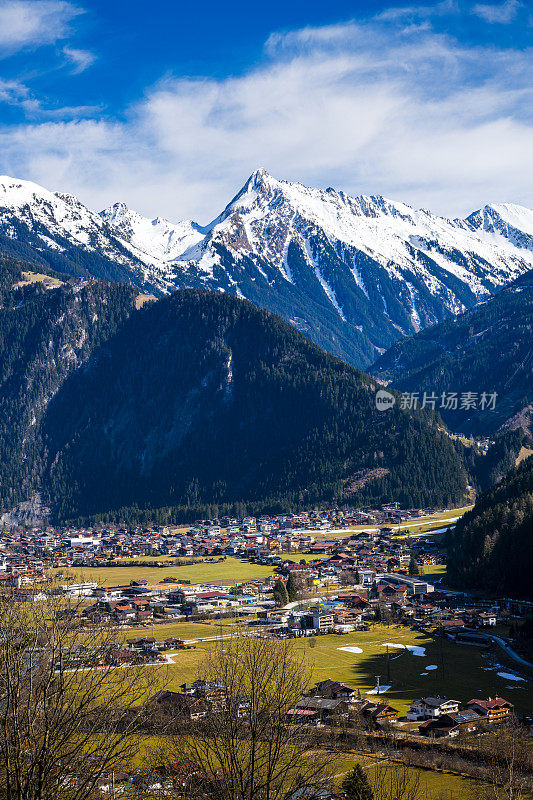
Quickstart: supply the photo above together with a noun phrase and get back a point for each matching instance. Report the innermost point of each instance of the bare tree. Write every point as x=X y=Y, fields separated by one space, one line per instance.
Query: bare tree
x=510 y=763
x=68 y=712
x=391 y=781
x=251 y=747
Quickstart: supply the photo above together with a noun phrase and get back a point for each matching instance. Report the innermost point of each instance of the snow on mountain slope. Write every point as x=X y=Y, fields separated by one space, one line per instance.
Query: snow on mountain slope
x=267 y=214
x=66 y=235
x=158 y=239
x=512 y=222
x=352 y=273
x=376 y=268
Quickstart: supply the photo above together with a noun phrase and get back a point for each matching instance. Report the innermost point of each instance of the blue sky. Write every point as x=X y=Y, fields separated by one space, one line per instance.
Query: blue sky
x=170 y=105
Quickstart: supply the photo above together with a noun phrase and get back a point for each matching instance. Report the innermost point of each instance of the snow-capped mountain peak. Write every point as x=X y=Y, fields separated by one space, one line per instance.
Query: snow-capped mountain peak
x=159 y=239
x=353 y=273
x=509 y=220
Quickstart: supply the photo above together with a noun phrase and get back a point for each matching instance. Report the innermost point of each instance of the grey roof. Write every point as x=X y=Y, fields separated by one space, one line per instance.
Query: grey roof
x=437 y=701
x=318 y=703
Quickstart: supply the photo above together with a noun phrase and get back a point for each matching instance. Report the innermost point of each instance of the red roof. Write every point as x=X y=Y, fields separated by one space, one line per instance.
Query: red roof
x=492 y=703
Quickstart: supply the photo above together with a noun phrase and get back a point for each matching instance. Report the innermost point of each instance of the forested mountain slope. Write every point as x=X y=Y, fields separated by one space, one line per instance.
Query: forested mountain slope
x=492 y=546
x=44 y=335
x=201 y=399
x=488 y=348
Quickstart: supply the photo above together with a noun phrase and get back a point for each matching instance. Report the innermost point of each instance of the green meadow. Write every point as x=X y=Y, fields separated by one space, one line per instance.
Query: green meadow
x=462 y=672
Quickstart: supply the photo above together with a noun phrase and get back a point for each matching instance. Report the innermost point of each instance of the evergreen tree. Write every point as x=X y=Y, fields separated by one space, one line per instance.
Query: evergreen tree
x=292 y=590
x=413 y=566
x=281 y=598
x=356 y=785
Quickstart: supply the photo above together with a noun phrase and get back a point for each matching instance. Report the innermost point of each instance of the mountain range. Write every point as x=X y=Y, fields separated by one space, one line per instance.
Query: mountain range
x=354 y=274
x=189 y=405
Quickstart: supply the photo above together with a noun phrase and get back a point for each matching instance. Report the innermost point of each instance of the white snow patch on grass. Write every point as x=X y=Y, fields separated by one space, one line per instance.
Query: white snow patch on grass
x=510 y=677
x=415 y=649
x=351 y=649
x=379 y=689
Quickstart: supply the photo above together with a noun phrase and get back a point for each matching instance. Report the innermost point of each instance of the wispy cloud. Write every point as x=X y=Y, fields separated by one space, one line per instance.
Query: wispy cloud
x=14 y=93
x=445 y=7
x=502 y=13
x=369 y=107
x=33 y=23
x=79 y=60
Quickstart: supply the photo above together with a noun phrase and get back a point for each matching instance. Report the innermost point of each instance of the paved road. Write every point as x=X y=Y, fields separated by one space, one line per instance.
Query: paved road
x=510 y=652
x=505 y=646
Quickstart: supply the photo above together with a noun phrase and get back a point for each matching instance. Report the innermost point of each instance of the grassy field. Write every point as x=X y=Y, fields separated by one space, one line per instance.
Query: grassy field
x=462 y=671
x=230 y=571
x=432 y=784
x=29 y=277
x=436 y=570
x=412 y=527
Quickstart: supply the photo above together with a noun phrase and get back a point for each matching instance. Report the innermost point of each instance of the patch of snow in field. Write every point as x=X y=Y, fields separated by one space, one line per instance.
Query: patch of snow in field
x=379 y=689
x=510 y=677
x=415 y=649
x=424 y=673
x=431 y=666
x=351 y=649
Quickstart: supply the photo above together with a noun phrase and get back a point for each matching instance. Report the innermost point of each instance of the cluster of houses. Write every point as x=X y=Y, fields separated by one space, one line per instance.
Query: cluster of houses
x=330 y=702
x=31 y=551
x=444 y=717
x=364 y=575
x=333 y=702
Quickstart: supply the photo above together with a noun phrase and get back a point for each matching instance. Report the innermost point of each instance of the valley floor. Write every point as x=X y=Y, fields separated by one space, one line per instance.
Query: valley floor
x=462 y=672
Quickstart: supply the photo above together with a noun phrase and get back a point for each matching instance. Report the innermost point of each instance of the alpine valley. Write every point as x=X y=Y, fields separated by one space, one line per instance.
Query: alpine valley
x=354 y=274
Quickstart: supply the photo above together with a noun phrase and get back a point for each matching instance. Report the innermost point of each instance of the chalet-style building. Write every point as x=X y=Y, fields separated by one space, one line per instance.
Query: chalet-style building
x=431 y=708
x=466 y=721
x=332 y=690
x=379 y=713
x=494 y=710
x=323 y=708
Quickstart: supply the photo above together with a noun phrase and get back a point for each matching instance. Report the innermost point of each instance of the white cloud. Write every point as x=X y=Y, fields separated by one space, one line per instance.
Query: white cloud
x=80 y=60
x=502 y=13
x=368 y=107
x=32 y=23
x=15 y=93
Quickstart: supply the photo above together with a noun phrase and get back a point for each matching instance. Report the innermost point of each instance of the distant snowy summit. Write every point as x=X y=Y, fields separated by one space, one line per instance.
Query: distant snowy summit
x=352 y=273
